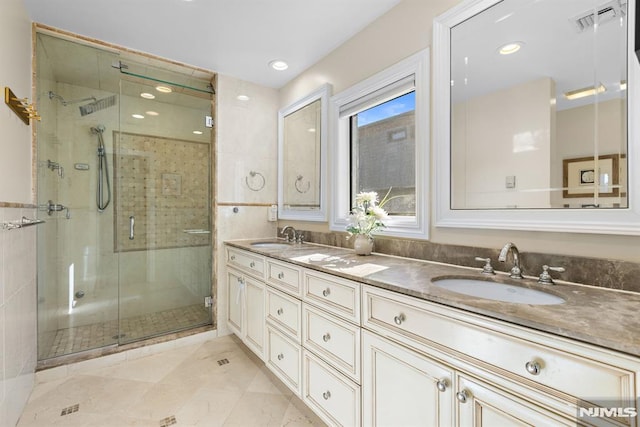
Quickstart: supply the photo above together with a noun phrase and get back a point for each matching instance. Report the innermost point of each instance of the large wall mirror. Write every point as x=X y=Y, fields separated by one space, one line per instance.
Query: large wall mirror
x=302 y=134
x=531 y=119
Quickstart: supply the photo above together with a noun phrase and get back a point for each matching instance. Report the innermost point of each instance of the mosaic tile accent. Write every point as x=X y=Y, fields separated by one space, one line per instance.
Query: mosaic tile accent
x=81 y=338
x=169 y=421
x=70 y=410
x=164 y=184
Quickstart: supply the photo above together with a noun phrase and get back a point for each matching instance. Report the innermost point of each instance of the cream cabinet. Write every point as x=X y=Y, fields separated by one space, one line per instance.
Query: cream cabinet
x=246 y=298
x=401 y=387
x=360 y=355
x=501 y=374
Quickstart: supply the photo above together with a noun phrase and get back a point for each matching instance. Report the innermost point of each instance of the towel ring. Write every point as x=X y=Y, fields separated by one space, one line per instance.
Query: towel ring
x=258 y=187
x=297 y=184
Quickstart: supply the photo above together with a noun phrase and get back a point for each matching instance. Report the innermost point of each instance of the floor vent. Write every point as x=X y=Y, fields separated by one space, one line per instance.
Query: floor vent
x=70 y=410
x=223 y=362
x=169 y=421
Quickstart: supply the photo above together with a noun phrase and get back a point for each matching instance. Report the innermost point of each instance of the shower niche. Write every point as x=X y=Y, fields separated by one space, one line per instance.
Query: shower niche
x=123 y=147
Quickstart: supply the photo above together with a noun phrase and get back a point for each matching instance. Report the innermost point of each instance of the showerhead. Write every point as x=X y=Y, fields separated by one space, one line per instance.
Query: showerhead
x=53 y=95
x=97 y=105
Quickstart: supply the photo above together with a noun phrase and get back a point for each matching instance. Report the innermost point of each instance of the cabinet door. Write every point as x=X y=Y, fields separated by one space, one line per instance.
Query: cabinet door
x=235 y=301
x=403 y=388
x=480 y=404
x=255 y=318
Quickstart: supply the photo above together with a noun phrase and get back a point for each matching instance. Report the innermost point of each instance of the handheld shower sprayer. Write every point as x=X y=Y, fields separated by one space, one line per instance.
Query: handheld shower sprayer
x=103 y=171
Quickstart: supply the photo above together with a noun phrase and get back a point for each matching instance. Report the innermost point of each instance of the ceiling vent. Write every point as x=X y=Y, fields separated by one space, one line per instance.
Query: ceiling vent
x=605 y=13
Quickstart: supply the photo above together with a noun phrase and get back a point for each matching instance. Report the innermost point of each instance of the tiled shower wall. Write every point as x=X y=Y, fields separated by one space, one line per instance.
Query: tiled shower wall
x=164 y=184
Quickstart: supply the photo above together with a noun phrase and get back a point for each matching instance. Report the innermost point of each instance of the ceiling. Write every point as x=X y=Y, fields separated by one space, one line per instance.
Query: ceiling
x=552 y=47
x=232 y=37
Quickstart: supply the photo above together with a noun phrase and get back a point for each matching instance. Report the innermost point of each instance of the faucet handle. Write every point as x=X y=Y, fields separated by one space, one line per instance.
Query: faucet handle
x=545 y=277
x=300 y=238
x=488 y=268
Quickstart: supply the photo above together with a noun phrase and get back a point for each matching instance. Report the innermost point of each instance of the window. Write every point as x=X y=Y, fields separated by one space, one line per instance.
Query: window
x=380 y=144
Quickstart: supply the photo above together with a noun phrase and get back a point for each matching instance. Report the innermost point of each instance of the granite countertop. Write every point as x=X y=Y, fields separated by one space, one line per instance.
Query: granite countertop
x=604 y=317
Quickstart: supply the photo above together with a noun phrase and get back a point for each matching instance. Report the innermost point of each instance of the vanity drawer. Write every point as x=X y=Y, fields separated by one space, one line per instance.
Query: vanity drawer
x=284 y=311
x=285 y=277
x=338 y=296
x=284 y=358
x=565 y=368
x=246 y=261
x=333 y=339
x=332 y=396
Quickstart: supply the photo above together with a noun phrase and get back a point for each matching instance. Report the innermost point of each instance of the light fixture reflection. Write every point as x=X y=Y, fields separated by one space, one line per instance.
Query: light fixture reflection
x=510 y=48
x=197 y=132
x=164 y=89
x=152 y=113
x=585 y=91
x=147 y=95
x=242 y=98
x=137 y=116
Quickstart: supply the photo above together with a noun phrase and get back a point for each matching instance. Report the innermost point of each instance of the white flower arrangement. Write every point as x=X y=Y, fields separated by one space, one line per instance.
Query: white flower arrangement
x=367 y=215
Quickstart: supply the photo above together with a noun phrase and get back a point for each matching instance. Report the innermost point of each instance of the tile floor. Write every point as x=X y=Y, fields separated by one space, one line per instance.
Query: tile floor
x=87 y=337
x=218 y=382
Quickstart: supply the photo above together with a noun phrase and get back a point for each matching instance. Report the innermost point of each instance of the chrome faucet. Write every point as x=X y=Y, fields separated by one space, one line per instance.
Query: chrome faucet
x=516 y=271
x=289 y=237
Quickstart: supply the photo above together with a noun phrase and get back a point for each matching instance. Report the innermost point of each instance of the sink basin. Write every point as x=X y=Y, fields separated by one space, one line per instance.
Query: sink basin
x=271 y=245
x=498 y=291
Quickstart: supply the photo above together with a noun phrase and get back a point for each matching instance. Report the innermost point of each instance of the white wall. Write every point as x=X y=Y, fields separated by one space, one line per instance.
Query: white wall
x=484 y=154
x=246 y=142
x=402 y=31
x=17 y=247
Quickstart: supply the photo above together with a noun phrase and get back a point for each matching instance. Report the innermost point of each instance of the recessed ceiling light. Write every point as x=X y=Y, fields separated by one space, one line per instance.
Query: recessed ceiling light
x=278 y=65
x=585 y=91
x=197 y=132
x=137 y=116
x=510 y=48
x=152 y=113
x=311 y=130
x=623 y=85
x=243 y=98
x=164 y=89
x=147 y=95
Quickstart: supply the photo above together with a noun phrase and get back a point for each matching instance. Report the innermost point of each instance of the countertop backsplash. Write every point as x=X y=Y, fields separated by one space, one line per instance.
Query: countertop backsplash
x=612 y=274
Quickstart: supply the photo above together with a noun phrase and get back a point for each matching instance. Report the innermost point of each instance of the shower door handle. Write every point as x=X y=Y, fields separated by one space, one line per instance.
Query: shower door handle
x=132 y=224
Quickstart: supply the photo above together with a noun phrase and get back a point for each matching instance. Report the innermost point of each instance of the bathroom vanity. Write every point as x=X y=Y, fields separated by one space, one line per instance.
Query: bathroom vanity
x=374 y=341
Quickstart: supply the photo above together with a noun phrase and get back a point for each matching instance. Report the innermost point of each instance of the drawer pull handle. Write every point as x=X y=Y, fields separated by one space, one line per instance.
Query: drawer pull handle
x=233 y=257
x=280 y=311
x=326 y=337
x=533 y=367
x=252 y=264
x=462 y=396
x=399 y=319
x=281 y=275
x=326 y=292
x=326 y=395
x=442 y=385
x=280 y=356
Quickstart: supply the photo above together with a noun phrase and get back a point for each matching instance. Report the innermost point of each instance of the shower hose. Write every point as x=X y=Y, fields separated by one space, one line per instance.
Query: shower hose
x=103 y=176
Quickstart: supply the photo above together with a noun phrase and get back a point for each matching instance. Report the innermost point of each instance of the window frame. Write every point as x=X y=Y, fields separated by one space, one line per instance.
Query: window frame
x=417 y=226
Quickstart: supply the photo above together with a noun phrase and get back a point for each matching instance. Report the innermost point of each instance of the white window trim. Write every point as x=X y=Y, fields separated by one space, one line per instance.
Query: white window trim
x=411 y=227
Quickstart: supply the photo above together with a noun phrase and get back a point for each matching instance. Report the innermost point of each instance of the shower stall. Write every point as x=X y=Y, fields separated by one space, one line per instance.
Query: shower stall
x=124 y=153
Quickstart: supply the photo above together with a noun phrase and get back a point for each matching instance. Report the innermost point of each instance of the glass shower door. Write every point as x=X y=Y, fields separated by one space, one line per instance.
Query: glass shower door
x=162 y=179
